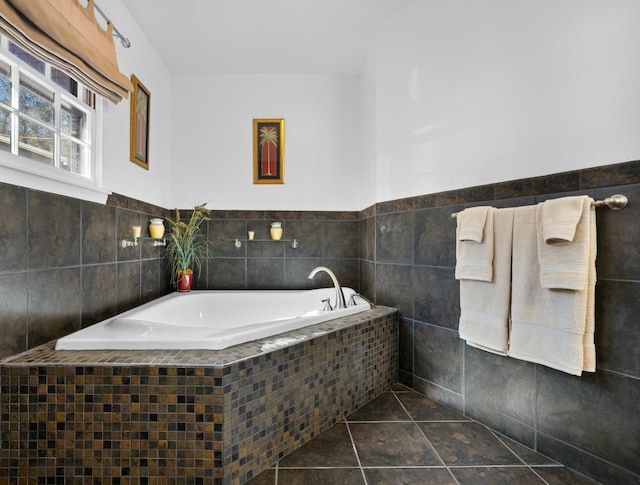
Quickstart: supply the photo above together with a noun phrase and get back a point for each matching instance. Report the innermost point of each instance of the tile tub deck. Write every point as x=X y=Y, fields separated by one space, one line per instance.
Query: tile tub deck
x=218 y=417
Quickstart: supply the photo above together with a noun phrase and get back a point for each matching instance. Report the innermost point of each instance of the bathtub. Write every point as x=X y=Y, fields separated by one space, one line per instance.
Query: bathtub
x=210 y=320
x=236 y=411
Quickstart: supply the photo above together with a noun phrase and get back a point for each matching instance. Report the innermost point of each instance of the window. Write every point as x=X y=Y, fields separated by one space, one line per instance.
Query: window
x=47 y=122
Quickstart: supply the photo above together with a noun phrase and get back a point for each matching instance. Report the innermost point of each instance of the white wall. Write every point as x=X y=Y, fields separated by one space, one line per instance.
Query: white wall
x=470 y=92
x=454 y=94
x=120 y=175
x=212 y=150
x=367 y=168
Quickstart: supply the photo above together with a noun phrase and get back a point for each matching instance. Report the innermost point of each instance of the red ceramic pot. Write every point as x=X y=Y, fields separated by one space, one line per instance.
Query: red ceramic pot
x=185 y=279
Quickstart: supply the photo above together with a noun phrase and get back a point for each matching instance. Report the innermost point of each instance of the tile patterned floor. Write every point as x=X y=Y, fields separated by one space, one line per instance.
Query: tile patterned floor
x=403 y=437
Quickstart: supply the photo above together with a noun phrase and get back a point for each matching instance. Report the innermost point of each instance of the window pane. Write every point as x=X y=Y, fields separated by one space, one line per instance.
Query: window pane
x=36 y=141
x=36 y=101
x=5 y=130
x=41 y=117
x=73 y=156
x=73 y=121
x=27 y=58
x=64 y=81
x=90 y=98
x=5 y=83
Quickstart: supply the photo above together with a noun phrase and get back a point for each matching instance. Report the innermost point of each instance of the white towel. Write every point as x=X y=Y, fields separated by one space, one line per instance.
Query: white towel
x=560 y=218
x=564 y=242
x=552 y=327
x=471 y=224
x=484 y=305
x=590 y=323
x=474 y=244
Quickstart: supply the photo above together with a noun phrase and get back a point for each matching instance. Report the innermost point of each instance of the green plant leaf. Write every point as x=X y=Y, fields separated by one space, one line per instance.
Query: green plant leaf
x=186 y=247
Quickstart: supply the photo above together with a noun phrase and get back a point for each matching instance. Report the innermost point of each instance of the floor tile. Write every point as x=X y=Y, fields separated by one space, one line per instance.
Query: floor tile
x=267 y=477
x=384 y=408
x=560 y=475
x=467 y=443
x=331 y=448
x=392 y=444
x=397 y=387
x=496 y=476
x=527 y=455
x=383 y=442
x=308 y=476
x=408 y=476
x=422 y=408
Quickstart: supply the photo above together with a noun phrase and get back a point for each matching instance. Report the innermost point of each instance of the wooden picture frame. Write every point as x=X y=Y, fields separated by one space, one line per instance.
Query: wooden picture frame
x=140 y=112
x=268 y=151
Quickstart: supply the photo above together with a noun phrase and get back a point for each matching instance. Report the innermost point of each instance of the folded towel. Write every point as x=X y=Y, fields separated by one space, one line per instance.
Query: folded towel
x=471 y=224
x=553 y=327
x=474 y=244
x=564 y=242
x=560 y=218
x=484 y=305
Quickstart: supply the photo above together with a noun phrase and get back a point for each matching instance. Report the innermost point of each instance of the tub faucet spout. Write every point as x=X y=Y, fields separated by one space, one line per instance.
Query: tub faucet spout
x=340 y=303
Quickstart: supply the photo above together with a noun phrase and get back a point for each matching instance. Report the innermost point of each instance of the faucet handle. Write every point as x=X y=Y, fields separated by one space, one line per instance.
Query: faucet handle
x=327 y=305
x=352 y=299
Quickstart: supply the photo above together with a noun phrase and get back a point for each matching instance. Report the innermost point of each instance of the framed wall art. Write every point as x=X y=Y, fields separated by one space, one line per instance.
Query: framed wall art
x=140 y=108
x=268 y=151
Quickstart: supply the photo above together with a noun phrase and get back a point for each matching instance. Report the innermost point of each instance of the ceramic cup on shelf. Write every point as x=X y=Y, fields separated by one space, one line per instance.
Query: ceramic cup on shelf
x=156 y=228
x=251 y=234
x=276 y=230
x=136 y=230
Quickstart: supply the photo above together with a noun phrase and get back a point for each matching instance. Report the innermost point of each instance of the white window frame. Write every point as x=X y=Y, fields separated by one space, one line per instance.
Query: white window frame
x=21 y=171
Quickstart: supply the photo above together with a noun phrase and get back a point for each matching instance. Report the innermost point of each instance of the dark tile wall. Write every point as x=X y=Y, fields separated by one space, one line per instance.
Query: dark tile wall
x=590 y=423
x=62 y=267
x=325 y=239
x=398 y=253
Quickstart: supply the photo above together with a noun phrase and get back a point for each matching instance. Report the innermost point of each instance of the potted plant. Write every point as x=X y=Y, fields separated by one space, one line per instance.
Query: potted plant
x=186 y=247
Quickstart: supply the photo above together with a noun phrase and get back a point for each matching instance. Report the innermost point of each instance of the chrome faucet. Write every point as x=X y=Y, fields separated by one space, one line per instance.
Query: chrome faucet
x=340 y=303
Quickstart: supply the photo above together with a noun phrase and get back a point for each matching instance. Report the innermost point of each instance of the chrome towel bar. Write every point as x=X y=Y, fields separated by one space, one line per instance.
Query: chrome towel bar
x=615 y=202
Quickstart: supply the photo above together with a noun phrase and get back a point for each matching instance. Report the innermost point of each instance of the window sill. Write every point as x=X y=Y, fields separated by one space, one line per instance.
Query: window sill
x=49 y=179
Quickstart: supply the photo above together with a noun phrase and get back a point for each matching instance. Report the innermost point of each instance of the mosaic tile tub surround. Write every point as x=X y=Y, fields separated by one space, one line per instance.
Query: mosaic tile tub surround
x=191 y=416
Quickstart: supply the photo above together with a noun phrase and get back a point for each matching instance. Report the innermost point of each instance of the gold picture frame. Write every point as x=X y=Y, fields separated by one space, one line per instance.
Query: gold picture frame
x=268 y=151
x=140 y=112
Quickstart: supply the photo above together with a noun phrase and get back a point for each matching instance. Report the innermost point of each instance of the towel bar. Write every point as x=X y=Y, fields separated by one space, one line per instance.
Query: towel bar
x=615 y=202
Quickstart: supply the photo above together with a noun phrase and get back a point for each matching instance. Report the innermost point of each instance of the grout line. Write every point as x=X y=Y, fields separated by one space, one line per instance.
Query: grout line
x=275 y=473
x=408 y=467
x=464 y=379
x=534 y=405
x=495 y=435
x=425 y=437
x=383 y=421
x=330 y=467
x=488 y=466
x=355 y=450
x=465 y=420
x=536 y=474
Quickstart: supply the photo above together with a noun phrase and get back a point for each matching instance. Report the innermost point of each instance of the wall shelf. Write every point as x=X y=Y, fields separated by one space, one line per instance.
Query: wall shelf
x=238 y=241
x=128 y=242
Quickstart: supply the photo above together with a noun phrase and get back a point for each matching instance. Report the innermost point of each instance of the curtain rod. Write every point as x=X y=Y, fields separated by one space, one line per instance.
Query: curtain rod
x=615 y=202
x=126 y=43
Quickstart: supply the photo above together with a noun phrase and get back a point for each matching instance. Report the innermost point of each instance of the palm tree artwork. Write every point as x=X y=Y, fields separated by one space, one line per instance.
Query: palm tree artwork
x=268 y=149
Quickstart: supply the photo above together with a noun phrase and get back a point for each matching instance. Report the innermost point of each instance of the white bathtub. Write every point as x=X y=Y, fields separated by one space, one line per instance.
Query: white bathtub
x=210 y=319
